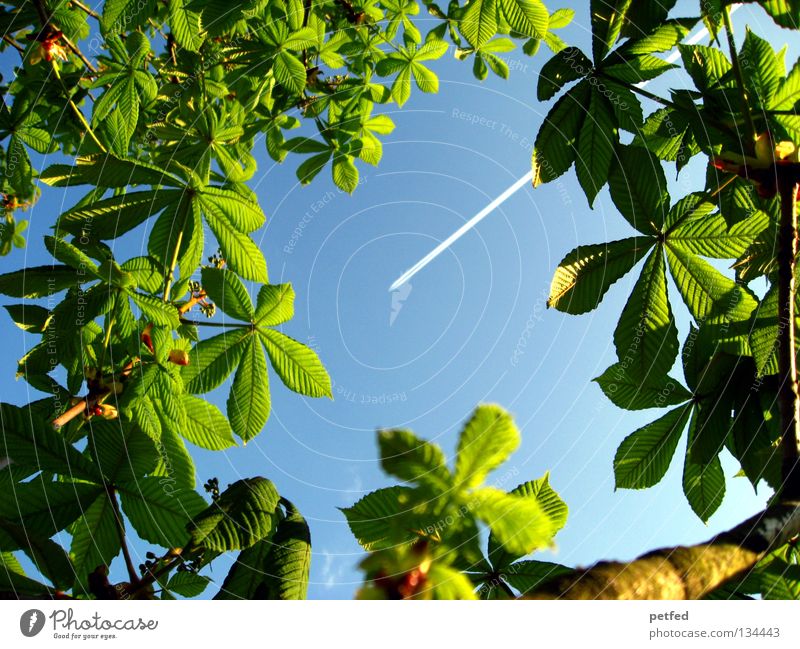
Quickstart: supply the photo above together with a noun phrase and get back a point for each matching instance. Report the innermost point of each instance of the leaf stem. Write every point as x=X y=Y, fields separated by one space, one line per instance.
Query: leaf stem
x=75 y=109
x=737 y=71
x=120 y=525
x=85 y=9
x=173 y=263
x=788 y=177
x=198 y=323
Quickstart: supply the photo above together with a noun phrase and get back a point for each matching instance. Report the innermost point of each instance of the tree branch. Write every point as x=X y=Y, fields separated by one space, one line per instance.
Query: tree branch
x=682 y=572
x=787 y=177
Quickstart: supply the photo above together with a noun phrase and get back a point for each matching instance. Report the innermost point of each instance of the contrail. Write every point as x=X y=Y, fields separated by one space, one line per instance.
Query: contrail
x=444 y=245
x=519 y=184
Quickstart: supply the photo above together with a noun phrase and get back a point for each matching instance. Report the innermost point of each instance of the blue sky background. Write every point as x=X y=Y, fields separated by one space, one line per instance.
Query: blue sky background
x=473 y=328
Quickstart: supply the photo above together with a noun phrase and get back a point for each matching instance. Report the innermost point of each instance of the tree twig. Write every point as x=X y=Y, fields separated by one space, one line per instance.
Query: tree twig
x=788 y=178
x=120 y=525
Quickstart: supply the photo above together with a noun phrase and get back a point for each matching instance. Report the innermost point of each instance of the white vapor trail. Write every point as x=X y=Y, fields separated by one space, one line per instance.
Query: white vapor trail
x=519 y=184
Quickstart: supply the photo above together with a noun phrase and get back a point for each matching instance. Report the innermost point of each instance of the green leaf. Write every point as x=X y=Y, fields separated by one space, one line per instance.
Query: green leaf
x=704 y=486
x=242 y=255
x=710 y=235
x=206 y=426
x=187 y=584
x=527 y=17
x=212 y=360
x=185 y=25
x=644 y=456
x=242 y=515
x=567 y=65
x=518 y=523
x=345 y=173
x=555 y=148
x=385 y=518
x=106 y=170
x=31 y=442
x=550 y=503
x=705 y=291
x=585 y=274
x=249 y=400
x=638 y=188
x=289 y=71
x=275 y=304
x=663 y=38
x=636 y=393
x=95 y=541
x=39 y=281
x=227 y=291
x=762 y=73
x=290 y=558
x=527 y=576
x=298 y=366
x=160 y=513
x=646 y=338
x=487 y=440
x=479 y=21
x=409 y=458
x=175 y=468
x=608 y=17
x=112 y=217
x=596 y=143
x=160 y=313
x=121 y=451
x=48 y=557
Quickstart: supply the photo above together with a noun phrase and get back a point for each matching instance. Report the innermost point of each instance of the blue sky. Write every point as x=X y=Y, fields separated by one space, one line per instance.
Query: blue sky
x=473 y=327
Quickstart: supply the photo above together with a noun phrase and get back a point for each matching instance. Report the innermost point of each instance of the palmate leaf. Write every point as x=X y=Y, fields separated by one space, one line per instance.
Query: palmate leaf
x=121 y=451
x=644 y=457
x=159 y=514
x=646 y=338
x=249 y=399
x=412 y=459
x=586 y=273
x=242 y=515
x=488 y=439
